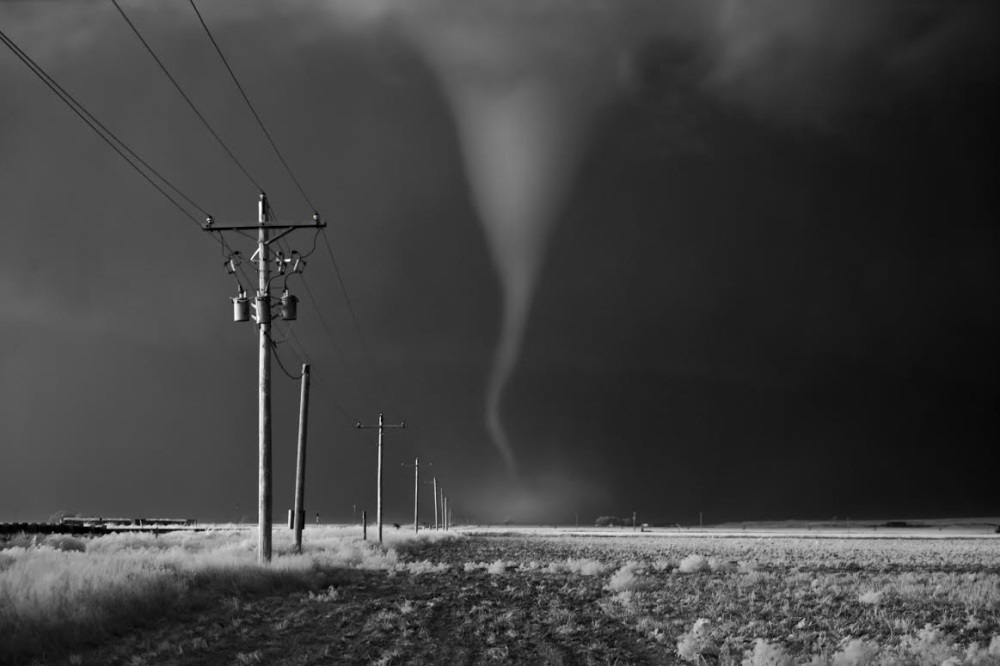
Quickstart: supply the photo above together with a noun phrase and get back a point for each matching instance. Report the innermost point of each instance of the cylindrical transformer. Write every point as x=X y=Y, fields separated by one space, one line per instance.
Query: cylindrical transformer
x=241 y=308
x=263 y=310
x=289 y=307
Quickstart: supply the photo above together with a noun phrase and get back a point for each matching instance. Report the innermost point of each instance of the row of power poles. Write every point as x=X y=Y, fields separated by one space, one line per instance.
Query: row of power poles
x=268 y=232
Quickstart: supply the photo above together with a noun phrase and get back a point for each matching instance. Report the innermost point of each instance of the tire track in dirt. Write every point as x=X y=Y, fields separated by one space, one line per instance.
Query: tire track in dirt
x=456 y=617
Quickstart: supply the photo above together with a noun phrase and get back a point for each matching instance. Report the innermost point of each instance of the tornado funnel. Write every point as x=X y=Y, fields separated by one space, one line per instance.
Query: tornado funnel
x=524 y=94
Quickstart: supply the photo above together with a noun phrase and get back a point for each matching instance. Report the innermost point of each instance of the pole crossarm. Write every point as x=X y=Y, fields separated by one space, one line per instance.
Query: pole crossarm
x=283 y=228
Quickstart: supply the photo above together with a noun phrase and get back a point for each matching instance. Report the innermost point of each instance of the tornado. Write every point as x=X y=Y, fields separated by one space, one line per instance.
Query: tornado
x=524 y=91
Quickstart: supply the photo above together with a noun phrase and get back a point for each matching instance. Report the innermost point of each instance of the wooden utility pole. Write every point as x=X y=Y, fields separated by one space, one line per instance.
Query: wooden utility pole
x=264 y=503
x=300 y=459
x=263 y=320
x=416 y=493
x=382 y=427
x=435 y=502
x=441 y=491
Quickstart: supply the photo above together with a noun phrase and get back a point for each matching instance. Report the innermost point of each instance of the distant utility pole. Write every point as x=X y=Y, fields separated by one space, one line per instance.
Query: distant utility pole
x=416 y=492
x=382 y=427
x=263 y=320
x=435 y=479
x=441 y=492
x=300 y=459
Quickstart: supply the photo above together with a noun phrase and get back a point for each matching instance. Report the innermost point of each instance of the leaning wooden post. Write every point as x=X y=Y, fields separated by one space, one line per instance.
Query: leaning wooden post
x=300 y=464
x=435 y=503
x=364 y=524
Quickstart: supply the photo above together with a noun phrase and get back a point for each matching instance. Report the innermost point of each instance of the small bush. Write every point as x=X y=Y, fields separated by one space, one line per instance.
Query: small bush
x=696 y=644
x=857 y=652
x=693 y=563
x=768 y=654
x=497 y=567
x=872 y=597
x=626 y=578
x=583 y=567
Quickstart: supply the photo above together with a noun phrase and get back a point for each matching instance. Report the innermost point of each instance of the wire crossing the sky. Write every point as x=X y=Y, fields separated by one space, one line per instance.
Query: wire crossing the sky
x=357 y=327
x=151 y=175
x=246 y=99
x=298 y=184
x=336 y=347
x=106 y=134
x=187 y=99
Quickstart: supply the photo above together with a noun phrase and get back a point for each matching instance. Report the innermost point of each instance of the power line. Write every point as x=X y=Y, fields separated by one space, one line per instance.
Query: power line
x=295 y=338
x=277 y=151
x=187 y=99
x=277 y=357
x=357 y=327
x=117 y=144
x=350 y=419
x=246 y=99
x=336 y=347
x=102 y=131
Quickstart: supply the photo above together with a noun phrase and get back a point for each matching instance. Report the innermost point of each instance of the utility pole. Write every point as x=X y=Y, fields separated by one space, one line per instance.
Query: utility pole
x=416 y=492
x=382 y=427
x=263 y=320
x=435 y=502
x=441 y=492
x=300 y=459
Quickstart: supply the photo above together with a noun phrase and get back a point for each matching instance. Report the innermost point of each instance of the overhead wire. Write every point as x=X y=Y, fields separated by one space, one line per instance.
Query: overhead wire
x=336 y=347
x=106 y=134
x=124 y=151
x=277 y=357
x=187 y=99
x=284 y=162
x=298 y=185
x=357 y=327
x=302 y=192
x=246 y=98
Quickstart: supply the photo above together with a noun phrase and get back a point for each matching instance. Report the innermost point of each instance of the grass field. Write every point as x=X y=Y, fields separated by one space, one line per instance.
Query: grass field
x=727 y=596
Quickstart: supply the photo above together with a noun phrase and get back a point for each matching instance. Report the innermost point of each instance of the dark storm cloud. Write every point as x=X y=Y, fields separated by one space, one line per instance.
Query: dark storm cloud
x=754 y=240
x=526 y=80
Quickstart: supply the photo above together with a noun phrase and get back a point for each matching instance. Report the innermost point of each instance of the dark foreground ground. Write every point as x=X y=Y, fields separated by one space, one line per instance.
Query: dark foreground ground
x=371 y=617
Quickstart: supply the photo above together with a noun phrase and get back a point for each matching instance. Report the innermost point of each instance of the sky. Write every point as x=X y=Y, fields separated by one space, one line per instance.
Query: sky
x=730 y=258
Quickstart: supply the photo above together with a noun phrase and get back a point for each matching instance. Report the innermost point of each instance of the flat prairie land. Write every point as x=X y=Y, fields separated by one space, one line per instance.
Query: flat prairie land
x=503 y=596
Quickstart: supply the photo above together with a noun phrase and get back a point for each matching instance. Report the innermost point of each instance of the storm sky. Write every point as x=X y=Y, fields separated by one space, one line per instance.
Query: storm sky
x=666 y=257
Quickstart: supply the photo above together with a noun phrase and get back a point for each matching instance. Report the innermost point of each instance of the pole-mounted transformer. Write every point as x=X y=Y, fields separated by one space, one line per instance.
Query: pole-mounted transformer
x=241 y=306
x=289 y=306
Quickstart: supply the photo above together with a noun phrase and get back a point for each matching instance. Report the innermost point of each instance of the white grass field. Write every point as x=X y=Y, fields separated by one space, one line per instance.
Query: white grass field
x=762 y=594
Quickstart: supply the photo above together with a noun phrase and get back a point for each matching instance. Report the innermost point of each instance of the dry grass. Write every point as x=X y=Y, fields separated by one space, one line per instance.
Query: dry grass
x=513 y=599
x=58 y=592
